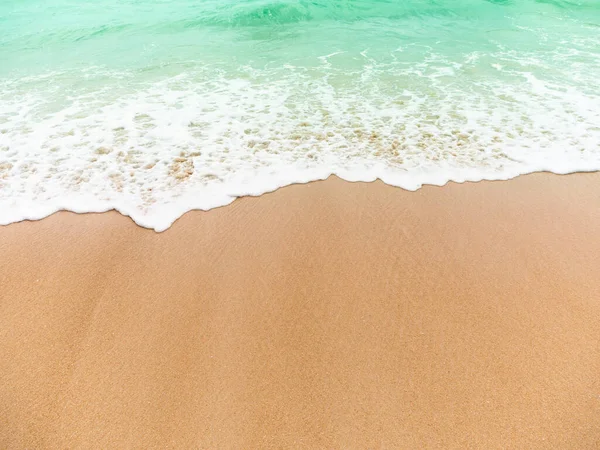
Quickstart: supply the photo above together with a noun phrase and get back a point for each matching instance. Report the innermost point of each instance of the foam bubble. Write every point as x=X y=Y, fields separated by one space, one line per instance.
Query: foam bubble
x=154 y=150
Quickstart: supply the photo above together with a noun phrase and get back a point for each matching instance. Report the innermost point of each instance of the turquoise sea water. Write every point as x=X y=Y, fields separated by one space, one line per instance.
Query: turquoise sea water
x=156 y=107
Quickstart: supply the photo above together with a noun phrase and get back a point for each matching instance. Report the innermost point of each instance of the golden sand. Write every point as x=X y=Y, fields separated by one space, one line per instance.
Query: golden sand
x=327 y=315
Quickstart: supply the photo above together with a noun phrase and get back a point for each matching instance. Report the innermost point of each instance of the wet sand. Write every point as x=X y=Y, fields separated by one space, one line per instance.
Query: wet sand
x=327 y=315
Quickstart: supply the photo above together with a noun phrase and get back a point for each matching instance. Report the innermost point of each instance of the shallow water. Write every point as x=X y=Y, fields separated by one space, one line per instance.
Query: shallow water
x=158 y=107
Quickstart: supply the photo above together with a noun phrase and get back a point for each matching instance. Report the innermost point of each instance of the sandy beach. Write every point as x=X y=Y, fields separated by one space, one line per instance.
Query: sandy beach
x=326 y=315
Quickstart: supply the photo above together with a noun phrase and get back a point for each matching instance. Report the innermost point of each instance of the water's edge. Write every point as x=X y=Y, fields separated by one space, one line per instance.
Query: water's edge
x=158 y=108
x=143 y=222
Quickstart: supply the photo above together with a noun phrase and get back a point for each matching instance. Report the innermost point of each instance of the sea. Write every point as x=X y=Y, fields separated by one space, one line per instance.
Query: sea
x=158 y=107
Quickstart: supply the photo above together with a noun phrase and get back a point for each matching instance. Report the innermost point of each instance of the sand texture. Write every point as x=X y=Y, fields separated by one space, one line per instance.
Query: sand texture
x=328 y=315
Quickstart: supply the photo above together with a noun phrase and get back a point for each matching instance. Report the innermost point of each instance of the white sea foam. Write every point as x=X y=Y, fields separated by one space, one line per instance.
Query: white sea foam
x=158 y=149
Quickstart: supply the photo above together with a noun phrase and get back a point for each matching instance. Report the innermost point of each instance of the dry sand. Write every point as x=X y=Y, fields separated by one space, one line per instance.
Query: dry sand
x=328 y=315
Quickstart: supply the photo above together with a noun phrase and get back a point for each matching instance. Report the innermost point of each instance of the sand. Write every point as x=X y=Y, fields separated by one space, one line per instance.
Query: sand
x=327 y=315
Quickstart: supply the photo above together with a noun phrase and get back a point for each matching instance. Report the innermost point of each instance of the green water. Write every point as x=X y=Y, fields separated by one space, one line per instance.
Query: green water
x=173 y=35
x=158 y=107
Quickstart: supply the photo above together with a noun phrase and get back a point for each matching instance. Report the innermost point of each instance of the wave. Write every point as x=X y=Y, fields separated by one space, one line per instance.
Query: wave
x=156 y=108
x=196 y=143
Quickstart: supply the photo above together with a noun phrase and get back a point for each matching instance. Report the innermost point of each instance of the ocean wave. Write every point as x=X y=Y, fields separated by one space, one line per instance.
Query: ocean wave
x=197 y=142
x=157 y=108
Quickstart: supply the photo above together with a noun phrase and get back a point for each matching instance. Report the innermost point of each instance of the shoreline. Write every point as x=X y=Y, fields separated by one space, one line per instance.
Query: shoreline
x=327 y=314
x=76 y=205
